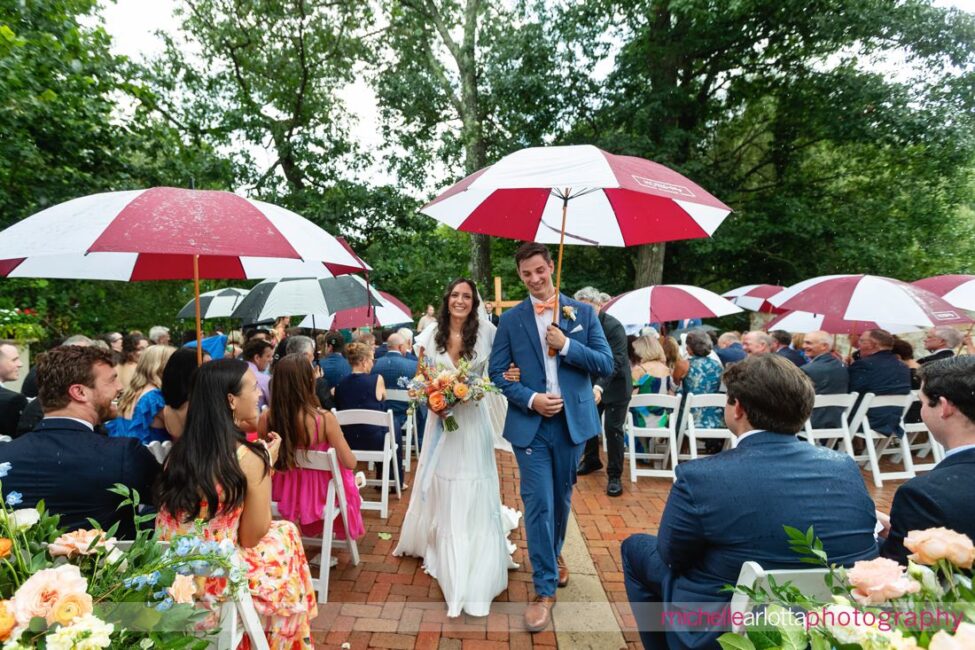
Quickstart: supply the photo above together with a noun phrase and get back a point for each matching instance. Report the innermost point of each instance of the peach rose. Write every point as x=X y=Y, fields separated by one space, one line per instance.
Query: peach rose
x=5 y=545
x=80 y=542
x=963 y=639
x=877 y=581
x=437 y=402
x=461 y=391
x=7 y=620
x=68 y=608
x=42 y=591
x=929 y=546
x=183 y=589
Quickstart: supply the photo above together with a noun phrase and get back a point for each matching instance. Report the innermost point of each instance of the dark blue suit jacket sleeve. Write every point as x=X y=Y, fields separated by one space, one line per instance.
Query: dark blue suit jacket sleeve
x=501 y=357
x=681 y=539
x=912 y=509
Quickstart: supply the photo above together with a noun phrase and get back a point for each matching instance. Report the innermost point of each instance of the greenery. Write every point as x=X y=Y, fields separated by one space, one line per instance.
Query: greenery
x=840 y=132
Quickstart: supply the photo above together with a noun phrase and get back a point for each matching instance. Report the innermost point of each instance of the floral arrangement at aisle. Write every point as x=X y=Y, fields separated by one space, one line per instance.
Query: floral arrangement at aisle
x=876 y=605
x=442 y=389
x=21 y=325
x=82 y=591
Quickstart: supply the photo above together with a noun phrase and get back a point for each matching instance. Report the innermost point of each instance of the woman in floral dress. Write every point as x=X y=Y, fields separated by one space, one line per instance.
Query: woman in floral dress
x=213 y=463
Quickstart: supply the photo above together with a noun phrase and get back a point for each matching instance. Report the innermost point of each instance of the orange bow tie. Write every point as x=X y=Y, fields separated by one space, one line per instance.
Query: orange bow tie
x=541 y=307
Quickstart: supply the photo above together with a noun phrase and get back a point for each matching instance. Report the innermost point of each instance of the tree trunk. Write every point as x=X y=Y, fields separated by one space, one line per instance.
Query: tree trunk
x=649 y=265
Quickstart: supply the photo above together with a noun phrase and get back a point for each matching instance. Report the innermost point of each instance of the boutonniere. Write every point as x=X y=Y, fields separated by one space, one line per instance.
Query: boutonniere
x=569 y=312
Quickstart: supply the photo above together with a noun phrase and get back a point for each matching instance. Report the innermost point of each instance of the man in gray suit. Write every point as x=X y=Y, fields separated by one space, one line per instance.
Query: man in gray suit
x=829 y=377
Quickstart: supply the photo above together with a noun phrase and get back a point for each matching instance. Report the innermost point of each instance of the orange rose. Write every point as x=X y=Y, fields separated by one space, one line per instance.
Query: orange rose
x=70 y=607
x=461 y=391
x=933 y=544
x=437 y=402
x=5 y=545
x=7 y=620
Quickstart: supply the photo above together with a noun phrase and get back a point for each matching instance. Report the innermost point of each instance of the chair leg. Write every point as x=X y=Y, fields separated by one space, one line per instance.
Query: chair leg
x=408 y=444
x=848 y=443
x=908 y=459
x=631 y=444
x=395 y=461
x=872 y=456
x=692 y=442
x=673 y=454
x=384 y=488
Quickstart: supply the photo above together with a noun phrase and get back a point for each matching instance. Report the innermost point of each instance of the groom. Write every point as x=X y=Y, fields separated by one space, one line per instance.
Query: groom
x=551 y=411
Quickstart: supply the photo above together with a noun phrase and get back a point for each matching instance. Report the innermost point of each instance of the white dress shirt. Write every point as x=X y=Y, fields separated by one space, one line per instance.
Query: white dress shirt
x=951 y=452
x=542 y=321
x=65 y=417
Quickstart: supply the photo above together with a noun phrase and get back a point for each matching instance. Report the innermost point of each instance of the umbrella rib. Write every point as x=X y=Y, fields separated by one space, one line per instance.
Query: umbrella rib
x=569 y=234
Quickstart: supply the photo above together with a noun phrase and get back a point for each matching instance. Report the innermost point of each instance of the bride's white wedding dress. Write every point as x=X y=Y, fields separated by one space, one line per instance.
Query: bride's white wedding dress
x=455 y=520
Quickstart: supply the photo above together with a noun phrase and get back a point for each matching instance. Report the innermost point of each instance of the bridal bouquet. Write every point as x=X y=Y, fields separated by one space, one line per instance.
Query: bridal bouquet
x=81 y=590
x=443 y=389
x=875 y=605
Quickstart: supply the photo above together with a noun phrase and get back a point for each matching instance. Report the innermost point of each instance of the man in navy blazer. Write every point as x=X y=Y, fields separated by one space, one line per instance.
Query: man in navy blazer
x=781 y=340
x=726 y=509
x=943 y=496
x=729 y=348
x=828 y=375
x=393 y=366
x=551 y=411
x=63 y=461
x=879 y=371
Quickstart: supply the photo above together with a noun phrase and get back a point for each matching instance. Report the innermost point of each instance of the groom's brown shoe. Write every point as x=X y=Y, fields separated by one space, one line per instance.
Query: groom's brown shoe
x=539 y=613
x=563 y=572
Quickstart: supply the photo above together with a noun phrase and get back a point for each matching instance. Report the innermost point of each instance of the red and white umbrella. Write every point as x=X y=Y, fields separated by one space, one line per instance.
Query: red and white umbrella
x=609 y=200
x=869 y=298
x=800 y=321
x=959 y=290
x=389 y=311
x=754 y=297
x=666 y=302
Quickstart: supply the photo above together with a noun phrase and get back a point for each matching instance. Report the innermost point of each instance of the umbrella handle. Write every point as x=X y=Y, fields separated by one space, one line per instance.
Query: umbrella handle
x=558 y=269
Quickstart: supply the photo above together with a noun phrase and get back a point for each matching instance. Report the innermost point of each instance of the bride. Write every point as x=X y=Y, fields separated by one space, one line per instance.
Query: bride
x=455 y=520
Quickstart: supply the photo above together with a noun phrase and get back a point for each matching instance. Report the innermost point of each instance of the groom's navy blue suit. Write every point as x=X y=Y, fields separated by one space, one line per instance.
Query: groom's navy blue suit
x=548 y=449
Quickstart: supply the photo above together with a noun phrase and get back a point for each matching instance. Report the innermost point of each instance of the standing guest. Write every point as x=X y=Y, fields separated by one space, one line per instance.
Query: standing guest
x=729 y=508
x=678 y=365
x=407 y=335
x=781 y=345
x=176 y=380
x=650 y=375
x=756 y=342
x=429 y=316
x=943 y=496
x=114 y=340
x=258 y=354
x=880 y=372
x=235 y=344
x=63 y=461
x=305 y=346
x=393 y=367
x=703 y=377
x=382 y=348
x=829 y=377
x=335 y=366
x=279 y=330
x=133 y=345
x=366 y=337
x=140 y=409
x=612 y=394
x=159 y=335
x=296 y=416
x=257 y=333
x=215 y=475
x=492 y=316
x=729 y=349
x=12 y=404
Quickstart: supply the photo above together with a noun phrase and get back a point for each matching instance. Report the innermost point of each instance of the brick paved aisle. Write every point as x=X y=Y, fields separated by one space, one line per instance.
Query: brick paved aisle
x=389 y=602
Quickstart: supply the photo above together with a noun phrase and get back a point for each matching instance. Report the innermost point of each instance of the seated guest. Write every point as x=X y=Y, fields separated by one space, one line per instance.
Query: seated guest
x=305 y=346
x=303 y=425
x=756 y=342
x=393 y=367
x=213 y=473
x=678 y=365
x=257 y=333
x=904 y=351
x=726 y=509
x=383 y=348
x=650 y=375
x=362 y=390
x=704 y=376
x=880 y=372
x=159 y=335
x=940 y=343
x=828 y=375
x=729 y=348
x=12 y=404
x=943 y=496
x=259 y=353
x=140 y=409
x=781 y=345
x=33 y=414
x=63 y=461
x=176 y=380
x=407 y=335
x=133 y=345
x=335 y=366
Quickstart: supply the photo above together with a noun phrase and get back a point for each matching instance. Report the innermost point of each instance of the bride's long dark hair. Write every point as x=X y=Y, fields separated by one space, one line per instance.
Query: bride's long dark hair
x=469 y=331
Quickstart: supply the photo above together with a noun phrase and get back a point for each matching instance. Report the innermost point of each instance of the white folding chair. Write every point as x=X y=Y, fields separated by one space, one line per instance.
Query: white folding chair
x=411 y=435
x=695 y=433
x=842 y=433
x=336 y=506
x=928 y=447
x=387 y=456
x=877 y=445
x=812 y=583
x=652 y=435
x=238 y=617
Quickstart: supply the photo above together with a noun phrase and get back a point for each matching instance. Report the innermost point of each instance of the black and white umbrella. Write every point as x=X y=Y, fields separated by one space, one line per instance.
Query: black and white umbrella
x=301 y=296
x=215 y=304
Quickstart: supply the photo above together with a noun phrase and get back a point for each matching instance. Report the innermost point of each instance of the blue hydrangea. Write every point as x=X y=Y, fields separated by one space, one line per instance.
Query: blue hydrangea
x=5 y=469
x=15 y=499
x=152 y=578
x=165 y=605
x=162 y=593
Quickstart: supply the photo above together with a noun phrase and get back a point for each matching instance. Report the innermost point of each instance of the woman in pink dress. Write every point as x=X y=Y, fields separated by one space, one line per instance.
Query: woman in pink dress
x=216 y=478
x=296 y=416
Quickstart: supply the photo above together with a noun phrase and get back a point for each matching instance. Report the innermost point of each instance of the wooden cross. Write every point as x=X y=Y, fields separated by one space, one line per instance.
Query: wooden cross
x=499 y=303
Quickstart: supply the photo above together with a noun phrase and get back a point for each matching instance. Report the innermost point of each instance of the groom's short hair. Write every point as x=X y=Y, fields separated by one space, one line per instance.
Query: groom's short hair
x=531 y=249
x=773 y=392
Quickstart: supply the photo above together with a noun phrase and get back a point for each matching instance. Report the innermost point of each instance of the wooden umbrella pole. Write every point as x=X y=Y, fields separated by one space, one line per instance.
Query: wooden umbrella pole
x=196 y=298
x=558 y=269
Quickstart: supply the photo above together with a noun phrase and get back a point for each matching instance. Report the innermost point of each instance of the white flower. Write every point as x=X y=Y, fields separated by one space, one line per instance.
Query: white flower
x=924 y=575
x=145 y=644
x=23 y=519
x=86 y=633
